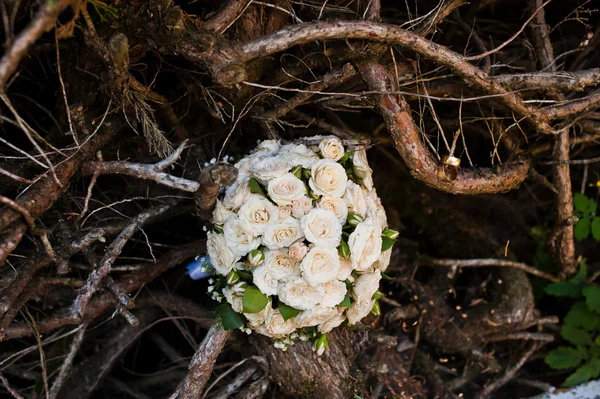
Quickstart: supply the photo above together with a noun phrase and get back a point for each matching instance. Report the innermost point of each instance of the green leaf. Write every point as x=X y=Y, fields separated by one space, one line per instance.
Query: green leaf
x=592 y=297
x=581 y=202
x=245 y=275
x=581 y=316
x=575 y=335
x=254 y=300
x=346 y=303
x=287 y=312
x=582 y=274
x=564 y=358
x=595 y=365
x=387 y=276
x=597 y=341
x=581 y=375
x=592 y=207
x=386 y=243
x=596 y=228
x=564 y=288
x=582 y=229
x=255 y=187
x=229 y=318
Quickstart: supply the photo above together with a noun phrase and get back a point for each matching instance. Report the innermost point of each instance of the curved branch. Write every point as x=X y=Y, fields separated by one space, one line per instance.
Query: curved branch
x=420 y=161
x=303 y=33
x=226 y=15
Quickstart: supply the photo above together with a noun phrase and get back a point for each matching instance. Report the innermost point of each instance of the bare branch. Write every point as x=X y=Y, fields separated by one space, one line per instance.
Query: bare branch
x=462 y=263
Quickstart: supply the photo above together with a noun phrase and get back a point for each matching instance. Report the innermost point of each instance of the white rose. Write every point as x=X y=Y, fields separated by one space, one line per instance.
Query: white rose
x=333 y=322
x=299 y=294
x=315 y=316
x=375 y=209
x=355 y=199
x=332 y=148
x=221 y=213
x=244 y=166
x=283 y=233
x=281 y=265
x=285 y=189
x=277 y=327
x=298 y=250
x=298 y=155
x=328 y=178
x=256 y=214
x=284 y=211
x=336 y=205
x=345 y=269
x=265 y=280
x=358 y=311
x=257 y=319
x=301 y=207
x=239 y=240
x=384 y=260
x=267 y=148
x=237 y=194
x=365 y=245
x=366 y=285
x=334 y=293
x=221 y=256
x=320 y=265
x=362 y=169
x=322 y=228
x=234 y=299
x=269 y=168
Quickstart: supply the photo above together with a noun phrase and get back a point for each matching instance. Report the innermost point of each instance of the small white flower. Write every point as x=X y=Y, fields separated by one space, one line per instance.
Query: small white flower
x=265 y=280
x=355 y=199
x=301 y=207
x=334 y=293
x=299 y=294
x=332 y=148
x=320 y=265
x=298 y=250
x=281 y=265
x=221 y=256
x=322 y=228
x=256 y=214
x=362 y=169
x=237 y=238
x=336 y=205
x=283 y=234
x=365 y=245
x=285 y=189
x=328 y=178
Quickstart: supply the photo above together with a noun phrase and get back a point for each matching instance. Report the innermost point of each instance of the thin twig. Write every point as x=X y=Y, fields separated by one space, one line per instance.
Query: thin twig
x=67 y=364
x=492 y=262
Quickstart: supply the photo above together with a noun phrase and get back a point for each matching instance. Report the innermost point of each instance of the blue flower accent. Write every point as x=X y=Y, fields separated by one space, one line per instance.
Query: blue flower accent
x=200 y=268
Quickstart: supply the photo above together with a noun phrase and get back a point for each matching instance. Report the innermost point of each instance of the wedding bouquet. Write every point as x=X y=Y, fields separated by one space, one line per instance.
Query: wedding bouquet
x=299 y=241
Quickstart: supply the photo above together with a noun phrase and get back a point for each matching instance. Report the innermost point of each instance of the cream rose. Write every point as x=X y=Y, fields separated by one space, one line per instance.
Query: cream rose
x=270 y=168
x=358 y=311
x=366 y=285
x=332 y=148
x=362 y=169
x=345 y=269
x=283 y=233
x=267 y=148
x=333 y=293
x=336 y=205
x=221 y=256
x=277 y=327
x=258 y=319
x=281 y=265
x=384 y=260
x=375 y=210
x=315 y=316
x=285 y=189
x=256 y=214
x=265 y=279
x=333 y=322
x=322 y=228
x=284 y=211
x=328 y=178
x=299 y=294
x=355 y=199
x=298 y=155
x=221 y=213
x=301 y=207
x=320 y=265
x=365 y=245
x=239 y=240
x=234 y=299
x=237 y=194
x=297 y=251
